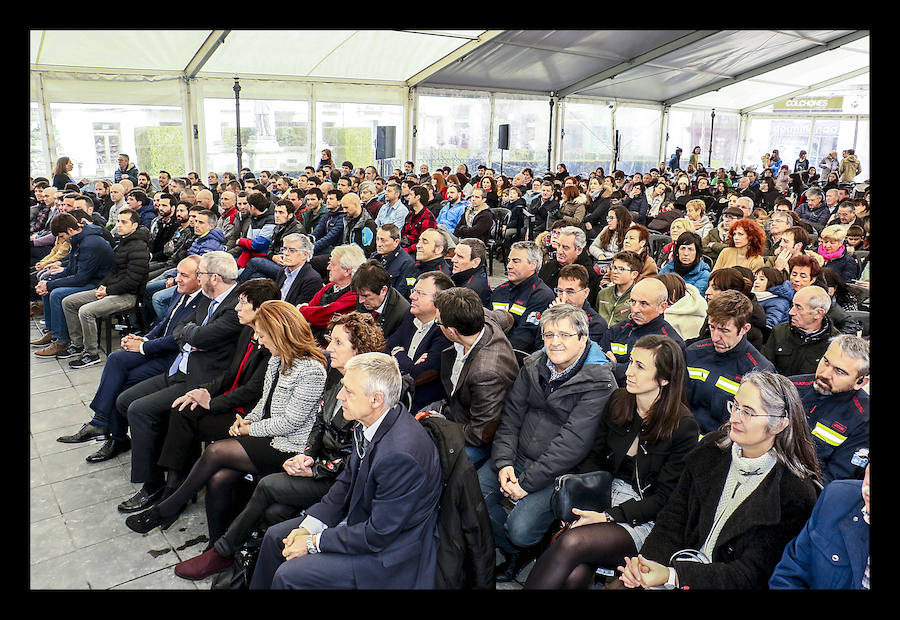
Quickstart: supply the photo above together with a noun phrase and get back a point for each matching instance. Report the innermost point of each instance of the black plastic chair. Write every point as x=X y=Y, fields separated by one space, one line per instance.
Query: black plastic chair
x=520 y=356
x=495 y=243
x=861 y=317
x=706 y=259
x=656 y=244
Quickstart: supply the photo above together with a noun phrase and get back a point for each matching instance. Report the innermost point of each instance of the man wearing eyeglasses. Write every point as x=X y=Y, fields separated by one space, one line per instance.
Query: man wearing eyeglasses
x=716 y=365
x=548 y=425
x=572 y=288
x=297 y=280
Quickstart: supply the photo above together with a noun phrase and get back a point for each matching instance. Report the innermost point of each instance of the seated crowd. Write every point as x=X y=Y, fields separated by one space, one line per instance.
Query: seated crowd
x=700 y=336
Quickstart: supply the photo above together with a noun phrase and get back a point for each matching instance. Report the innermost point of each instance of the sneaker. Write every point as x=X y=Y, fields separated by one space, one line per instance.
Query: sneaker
x=43 y=341
x=70 y=351
x=87 y=359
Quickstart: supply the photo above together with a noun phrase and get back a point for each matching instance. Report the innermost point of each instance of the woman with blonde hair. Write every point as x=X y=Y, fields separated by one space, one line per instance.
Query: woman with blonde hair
x=832 y=249
x=277 y=428
x=678 y=226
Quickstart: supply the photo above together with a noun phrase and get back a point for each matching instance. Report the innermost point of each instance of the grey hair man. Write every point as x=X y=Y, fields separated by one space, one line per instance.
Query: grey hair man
x=524 y=295
x=797 y=345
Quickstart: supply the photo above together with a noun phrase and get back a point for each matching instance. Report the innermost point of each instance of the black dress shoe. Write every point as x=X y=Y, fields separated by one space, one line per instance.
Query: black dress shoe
x=141 y=500
x=149 y=519
x=85 y=433
x=109 y=449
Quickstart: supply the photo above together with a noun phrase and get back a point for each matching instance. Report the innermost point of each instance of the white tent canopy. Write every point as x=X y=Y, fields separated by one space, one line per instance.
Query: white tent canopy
x=737 y=71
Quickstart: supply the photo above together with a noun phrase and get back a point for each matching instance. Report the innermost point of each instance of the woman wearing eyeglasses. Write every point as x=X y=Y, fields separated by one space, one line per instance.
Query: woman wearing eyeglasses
x=309 y=474
x=644 y=434
x=746 y=491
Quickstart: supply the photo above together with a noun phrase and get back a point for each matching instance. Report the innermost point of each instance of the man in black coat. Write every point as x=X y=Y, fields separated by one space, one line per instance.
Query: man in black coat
x=468 y=268
x=398 y=262
x=163 y=227
x=298 y=281
x=374 y=296
x=207 y=345
x=571 y=249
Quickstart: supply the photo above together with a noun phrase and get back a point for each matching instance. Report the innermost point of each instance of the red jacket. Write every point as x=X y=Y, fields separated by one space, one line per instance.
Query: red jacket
x=319 y=316
x=415 y=224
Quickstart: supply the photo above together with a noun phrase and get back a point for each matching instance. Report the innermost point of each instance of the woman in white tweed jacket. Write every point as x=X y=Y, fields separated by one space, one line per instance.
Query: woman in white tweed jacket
x=275 y=430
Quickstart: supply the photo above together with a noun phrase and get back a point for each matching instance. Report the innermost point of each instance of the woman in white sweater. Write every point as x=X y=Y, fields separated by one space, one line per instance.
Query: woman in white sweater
x=275 y=430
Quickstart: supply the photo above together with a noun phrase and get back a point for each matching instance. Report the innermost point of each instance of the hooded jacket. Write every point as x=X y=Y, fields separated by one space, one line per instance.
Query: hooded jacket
x=131 y=264
x=776 y=302
x=570 y=212
x=688 y=313
x=89 y=260
x=213 y=241
x=548 y=426
x=849 y=169
x=450 y=214
x=281 y=231
x=698 y=276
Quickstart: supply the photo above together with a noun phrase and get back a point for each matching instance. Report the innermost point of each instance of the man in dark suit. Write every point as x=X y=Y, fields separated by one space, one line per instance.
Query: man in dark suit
x=206 y=344
x=477 y=371
x=298 y=281
x=376 y=296
x=418 y=341
x=140 y=358
x=377 y=525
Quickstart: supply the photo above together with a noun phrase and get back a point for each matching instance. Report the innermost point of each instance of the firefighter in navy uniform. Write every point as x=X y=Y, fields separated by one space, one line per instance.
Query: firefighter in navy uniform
x=648 y=303
x=397 y=261
x=524 y=295
x=716 y=365
x=837 y=408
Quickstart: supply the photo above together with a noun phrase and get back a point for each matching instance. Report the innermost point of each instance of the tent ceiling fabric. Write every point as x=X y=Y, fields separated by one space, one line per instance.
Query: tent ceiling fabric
x=531 y=61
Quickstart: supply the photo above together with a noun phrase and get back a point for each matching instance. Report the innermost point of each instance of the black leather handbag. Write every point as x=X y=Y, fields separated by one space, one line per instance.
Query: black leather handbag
x=590 y=491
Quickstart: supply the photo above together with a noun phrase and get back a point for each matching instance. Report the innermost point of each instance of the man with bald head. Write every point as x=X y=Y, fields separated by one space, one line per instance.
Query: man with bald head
x=117 y=193
x=205 y=200
x=359 y=226
x=228 y=212
x=797 y=345
x=649 y=300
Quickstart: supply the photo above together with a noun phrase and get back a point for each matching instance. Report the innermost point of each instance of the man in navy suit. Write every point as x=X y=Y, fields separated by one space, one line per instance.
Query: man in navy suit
x=418 y=341
x=377 y=525
x=206 y=344
x=139 y=359
x=298 y=281
x=831 y=552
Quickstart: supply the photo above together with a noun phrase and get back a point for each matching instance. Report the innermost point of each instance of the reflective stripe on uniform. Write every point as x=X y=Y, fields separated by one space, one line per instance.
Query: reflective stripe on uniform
x=618 y=348
x=410 y=281
x=700 y=374
x=517 y=309
x=728 y=385
x=501 y=306
x=828 y=435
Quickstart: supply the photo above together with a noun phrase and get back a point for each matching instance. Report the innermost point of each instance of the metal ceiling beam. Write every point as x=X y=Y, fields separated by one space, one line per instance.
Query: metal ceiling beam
x=778 y=64
x=808 y=89
x=212 y=43
x=557 y=50
x=653 y=54
x=453 y=56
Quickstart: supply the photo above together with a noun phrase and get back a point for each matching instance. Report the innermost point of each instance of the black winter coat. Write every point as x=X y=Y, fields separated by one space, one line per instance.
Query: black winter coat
x=465 y=557
x=794 y=353
x=752 y=540
x=131 y=264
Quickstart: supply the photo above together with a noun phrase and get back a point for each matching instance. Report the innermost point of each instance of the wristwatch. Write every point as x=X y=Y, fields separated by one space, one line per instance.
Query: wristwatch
x=609 y=519
x=311 y=545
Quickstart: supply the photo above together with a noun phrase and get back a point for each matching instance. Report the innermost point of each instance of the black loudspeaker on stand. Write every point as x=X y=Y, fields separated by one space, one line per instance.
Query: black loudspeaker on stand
x=385 y=143
x=503 y=142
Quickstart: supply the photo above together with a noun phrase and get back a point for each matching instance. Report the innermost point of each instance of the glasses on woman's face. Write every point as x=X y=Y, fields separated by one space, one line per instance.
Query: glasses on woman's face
x=746 y=412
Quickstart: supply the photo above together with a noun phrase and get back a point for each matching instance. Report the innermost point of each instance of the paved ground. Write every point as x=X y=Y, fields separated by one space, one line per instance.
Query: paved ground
x=78 y=540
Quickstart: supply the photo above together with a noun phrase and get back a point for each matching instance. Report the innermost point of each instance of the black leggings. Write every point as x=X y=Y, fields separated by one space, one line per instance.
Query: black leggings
x=222 y=464
x=570 y=562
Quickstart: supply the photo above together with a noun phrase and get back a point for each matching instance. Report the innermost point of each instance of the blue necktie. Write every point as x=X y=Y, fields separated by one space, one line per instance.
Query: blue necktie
x=186 y=350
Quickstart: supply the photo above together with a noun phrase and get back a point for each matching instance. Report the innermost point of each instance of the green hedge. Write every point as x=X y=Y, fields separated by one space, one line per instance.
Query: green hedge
x=160 y=148
x=350 y=144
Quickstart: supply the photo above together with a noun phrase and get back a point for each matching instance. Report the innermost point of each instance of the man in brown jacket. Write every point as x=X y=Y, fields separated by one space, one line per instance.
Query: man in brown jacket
x=477 y=371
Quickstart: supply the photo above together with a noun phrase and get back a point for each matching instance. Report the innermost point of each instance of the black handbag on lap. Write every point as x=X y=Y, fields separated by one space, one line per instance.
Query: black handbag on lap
x=590 y=491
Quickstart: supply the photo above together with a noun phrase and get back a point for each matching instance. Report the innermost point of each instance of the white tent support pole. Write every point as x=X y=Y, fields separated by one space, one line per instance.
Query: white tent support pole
x=452 y=57
x=614 y=156
x=811 y=88
x=313 y=145
x=411 y=121
x=742 y=137
x=556 y=152
x=631 y=63
x=49 y=143
x=187 y=124
x=561 y=112
x=778 y=64
x=200 y=121
x=663 y=135
x=855 y=131
x=205 y=52
x=490 y=145
x=812 y=132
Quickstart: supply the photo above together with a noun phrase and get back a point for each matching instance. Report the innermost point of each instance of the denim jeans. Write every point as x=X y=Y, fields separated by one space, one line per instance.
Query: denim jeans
x=259 y=268
x=161 y=300
x=478 y=455
x=529 y=519
x=54 y=318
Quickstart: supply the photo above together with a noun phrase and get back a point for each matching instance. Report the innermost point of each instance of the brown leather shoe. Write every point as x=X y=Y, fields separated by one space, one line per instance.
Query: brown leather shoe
x=52 y=349
x=37 y=308
x=44 y=340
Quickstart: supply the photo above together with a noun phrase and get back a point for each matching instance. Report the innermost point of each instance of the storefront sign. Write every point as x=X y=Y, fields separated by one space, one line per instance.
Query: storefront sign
x=810 y=104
